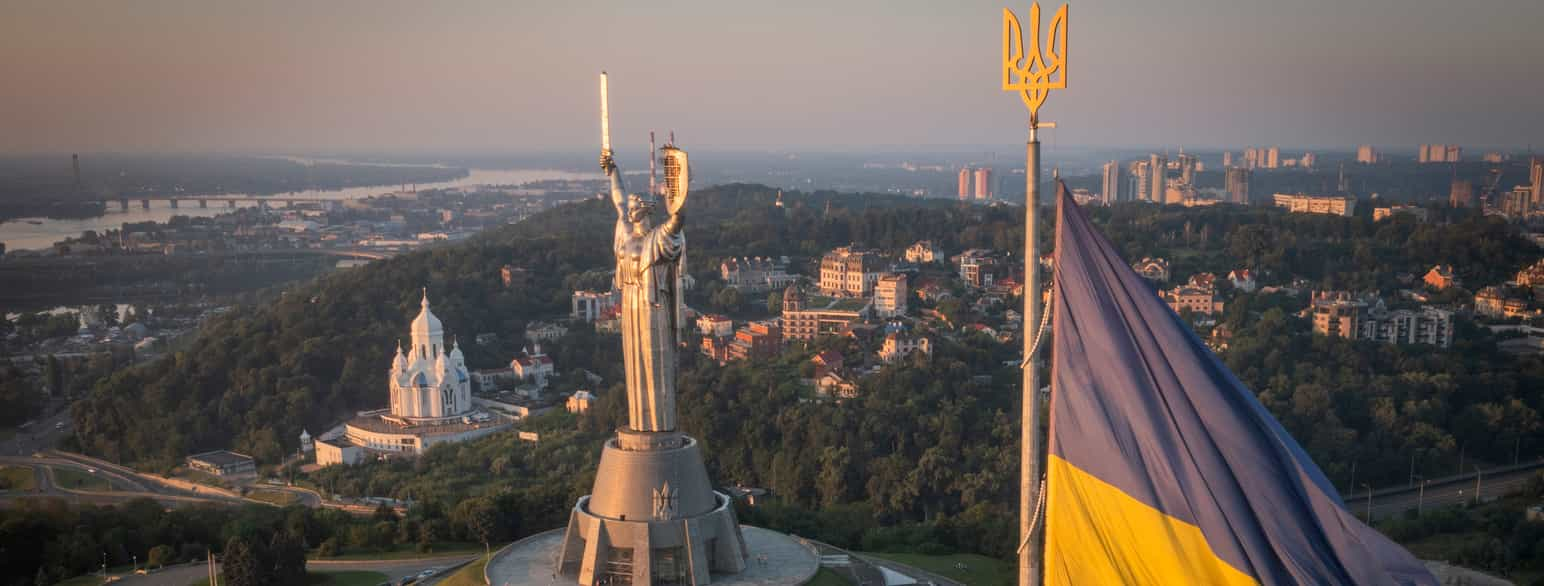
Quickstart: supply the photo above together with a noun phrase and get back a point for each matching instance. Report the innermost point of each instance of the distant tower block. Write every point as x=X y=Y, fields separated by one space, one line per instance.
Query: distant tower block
x=75 y=163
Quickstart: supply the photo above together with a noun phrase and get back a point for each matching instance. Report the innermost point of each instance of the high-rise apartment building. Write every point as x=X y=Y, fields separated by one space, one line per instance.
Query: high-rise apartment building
x=1157 y=166
x=1187 y=169
x=1461 y=194
x=1308 y=160
x=1536 y=177
x=1140 y=183
x=1273 y=158
x=1227 y=159
x=1367 y=155
x=1111 y=193
x=964 y=183
x=984 y=183
x=1440 y=153
x=1238 y=184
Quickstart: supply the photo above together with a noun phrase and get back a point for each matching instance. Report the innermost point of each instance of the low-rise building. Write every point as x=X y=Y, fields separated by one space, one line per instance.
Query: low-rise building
x=537 y=331
x=580 y=402
x=849 y=272
x=1152 y=269
x=1197 y=300
x=805 y=319
x=757 y=340
x=533 y=366
x=715 y=325
x=890 y=295
x=223 y=463
x=924 y=252
x=838 y=384
x=756 y=275
x=1440 y=277
x=1490 y=302
x=338 y=450
x=1334 y=205
x=899 y=345
x=1339 y=314
x=1382 y=213
x=827 y=361
x=1243 y=280
x=591 y=306
x=981 y=268
x=716 y=347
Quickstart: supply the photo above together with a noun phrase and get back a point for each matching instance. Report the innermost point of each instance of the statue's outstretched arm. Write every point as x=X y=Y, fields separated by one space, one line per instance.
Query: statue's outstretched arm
x=618 y=192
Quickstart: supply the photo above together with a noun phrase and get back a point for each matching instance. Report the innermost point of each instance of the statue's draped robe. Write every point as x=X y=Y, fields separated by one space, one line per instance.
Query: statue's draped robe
x=649 y=270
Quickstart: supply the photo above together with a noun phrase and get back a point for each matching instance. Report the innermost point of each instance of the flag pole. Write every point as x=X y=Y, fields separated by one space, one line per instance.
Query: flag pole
x=1032 y=70
x=1030 y=553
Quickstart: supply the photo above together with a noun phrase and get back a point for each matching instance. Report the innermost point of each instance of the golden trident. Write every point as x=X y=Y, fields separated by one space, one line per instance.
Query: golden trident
x=1040 y=72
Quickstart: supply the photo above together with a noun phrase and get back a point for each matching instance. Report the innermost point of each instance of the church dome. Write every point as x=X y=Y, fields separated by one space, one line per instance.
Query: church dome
x=426 y=324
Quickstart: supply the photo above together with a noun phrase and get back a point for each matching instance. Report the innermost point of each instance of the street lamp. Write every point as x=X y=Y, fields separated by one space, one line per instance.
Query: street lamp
x=1369 y=501
x=1478 y=476
x=1420 y=496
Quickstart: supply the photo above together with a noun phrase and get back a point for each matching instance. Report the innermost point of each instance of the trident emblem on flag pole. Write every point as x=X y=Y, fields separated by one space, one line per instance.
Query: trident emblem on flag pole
x=1034 y=73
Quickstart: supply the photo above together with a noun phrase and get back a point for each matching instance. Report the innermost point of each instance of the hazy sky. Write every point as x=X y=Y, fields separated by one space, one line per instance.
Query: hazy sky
x=515 y=75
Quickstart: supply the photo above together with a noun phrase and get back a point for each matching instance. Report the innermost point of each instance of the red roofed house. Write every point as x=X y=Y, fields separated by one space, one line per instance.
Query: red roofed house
x=533 y=366
x=827 y=361
x=1243 y=280
x=1440 y=277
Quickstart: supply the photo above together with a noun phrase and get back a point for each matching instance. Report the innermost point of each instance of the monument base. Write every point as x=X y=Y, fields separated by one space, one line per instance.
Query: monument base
x=653 y=518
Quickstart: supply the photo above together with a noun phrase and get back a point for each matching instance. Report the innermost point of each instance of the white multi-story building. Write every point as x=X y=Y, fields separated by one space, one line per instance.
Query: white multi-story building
x=890 y=294
x=591 y=306
x=846 y=272
x=756 y=275
x=714 y=325
x=899 y=345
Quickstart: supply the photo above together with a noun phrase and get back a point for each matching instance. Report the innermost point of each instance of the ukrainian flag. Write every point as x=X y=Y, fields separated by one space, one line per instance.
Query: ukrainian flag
x=1163 y=468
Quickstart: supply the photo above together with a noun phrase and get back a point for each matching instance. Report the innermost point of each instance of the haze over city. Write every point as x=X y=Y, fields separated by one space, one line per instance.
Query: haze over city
x=896 y=292
x=289 y=76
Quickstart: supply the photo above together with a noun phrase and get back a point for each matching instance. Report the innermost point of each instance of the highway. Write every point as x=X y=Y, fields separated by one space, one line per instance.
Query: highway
x=1443 y=492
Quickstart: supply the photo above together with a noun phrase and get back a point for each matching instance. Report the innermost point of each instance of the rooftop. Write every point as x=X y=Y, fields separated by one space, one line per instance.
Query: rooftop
x=221 y=458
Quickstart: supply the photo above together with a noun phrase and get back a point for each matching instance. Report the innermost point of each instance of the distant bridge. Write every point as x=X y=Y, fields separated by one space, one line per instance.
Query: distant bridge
x=230 y=201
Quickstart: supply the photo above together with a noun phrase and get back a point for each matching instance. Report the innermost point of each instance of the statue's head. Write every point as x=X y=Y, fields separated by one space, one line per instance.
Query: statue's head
x=639 y=207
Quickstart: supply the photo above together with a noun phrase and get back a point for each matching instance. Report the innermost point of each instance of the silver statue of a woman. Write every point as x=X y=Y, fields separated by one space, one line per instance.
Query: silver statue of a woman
x=651 y=261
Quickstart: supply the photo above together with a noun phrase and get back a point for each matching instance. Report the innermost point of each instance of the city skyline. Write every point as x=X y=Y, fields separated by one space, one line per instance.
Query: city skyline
x=179 y=77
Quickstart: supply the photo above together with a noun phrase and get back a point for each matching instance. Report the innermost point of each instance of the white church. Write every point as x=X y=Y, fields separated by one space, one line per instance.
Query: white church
x=429 y=383
x=430 y=403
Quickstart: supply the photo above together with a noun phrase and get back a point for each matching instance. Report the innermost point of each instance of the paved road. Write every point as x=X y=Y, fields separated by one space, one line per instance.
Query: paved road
x=1441 y=494
x=43 y=434
x=183 y=575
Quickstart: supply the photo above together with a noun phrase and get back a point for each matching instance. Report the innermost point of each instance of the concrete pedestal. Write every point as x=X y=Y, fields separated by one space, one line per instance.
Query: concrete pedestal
x=653 y=518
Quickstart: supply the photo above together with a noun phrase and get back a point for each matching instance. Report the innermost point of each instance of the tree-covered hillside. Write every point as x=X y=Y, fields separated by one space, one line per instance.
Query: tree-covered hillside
x=255 y=377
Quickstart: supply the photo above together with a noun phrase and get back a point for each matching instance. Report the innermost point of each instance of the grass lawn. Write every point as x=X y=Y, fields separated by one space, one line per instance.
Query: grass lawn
x=979 y=569
x=277 y=497
x=72 y=478
x=826 y=577
x=344 y=578
x=18 y=478
x=408 y=551
x=469 y=575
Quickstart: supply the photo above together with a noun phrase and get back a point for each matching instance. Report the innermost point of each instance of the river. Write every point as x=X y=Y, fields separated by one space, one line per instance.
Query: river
x=37 y=233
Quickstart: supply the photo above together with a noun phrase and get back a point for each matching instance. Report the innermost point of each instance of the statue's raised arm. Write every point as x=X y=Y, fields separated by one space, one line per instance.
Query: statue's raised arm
x=618 y=191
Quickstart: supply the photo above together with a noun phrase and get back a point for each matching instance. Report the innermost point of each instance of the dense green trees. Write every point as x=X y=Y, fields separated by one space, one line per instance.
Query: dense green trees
x=924 y=459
